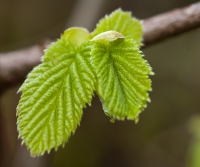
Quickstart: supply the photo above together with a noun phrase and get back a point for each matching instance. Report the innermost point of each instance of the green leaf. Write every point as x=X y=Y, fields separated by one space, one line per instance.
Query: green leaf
x=76 y=35
x=53 y=96
x=122 y=77
x=123 y=23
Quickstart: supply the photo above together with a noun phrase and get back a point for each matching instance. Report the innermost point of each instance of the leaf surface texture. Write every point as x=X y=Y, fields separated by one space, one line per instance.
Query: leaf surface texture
x=122 y=76
x=53 y=96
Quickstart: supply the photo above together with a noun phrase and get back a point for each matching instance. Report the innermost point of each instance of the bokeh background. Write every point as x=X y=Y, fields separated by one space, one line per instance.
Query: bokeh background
x=167 y=134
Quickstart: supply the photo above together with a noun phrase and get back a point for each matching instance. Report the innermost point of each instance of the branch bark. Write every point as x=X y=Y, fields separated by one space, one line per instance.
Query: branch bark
x=171 y=23
x=14 y=66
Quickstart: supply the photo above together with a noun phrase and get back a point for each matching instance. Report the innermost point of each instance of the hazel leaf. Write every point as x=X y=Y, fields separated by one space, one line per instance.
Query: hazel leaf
x=53 y=96
x=122 y=77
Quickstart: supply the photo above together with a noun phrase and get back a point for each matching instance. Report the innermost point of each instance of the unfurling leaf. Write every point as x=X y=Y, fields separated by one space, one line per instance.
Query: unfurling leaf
x=122 y=77
x=108 y=36
x=76 y=35
x=53 y=96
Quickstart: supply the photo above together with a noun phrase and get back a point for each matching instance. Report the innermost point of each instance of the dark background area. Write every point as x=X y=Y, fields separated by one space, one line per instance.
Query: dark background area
x=162 y=137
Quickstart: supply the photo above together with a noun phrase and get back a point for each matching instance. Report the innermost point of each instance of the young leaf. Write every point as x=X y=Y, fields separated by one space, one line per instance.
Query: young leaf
x=122 y=77
x=123 y=23
x=76 y=35
x=54 y=94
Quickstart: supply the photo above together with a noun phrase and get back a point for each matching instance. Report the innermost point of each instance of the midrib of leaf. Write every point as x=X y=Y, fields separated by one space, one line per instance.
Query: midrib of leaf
x=118 y=85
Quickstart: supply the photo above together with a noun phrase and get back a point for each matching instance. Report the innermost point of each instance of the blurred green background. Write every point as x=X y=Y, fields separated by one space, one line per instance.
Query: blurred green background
x=162 y=138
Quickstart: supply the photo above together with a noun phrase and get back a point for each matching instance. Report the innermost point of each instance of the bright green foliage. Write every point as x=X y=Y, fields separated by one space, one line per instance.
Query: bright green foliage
x=55 y=92
x=122 y=77
x=76 y=35
x=53 y=96
x=123 y=23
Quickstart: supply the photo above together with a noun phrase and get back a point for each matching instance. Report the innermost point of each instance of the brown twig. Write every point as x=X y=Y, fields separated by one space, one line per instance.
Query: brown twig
x=14 y=66
x=171 y=23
